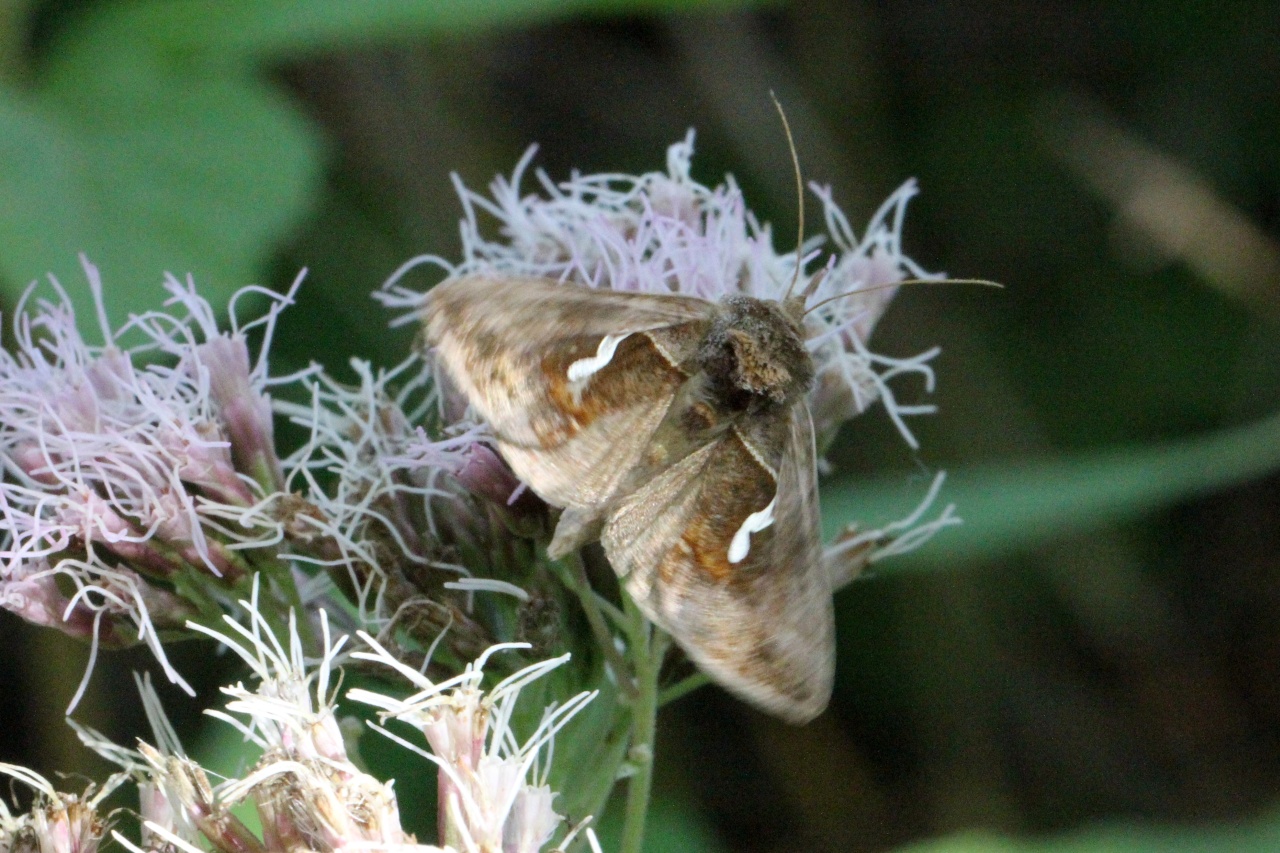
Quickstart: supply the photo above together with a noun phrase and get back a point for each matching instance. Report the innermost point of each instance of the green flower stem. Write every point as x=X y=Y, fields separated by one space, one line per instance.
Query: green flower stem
x=284 y=585
x=576 y=579
x=682 y=688
x=648 y=645
x=614 y=612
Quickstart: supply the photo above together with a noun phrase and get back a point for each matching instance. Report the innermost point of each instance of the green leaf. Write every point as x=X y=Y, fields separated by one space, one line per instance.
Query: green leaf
x=674 y=825
x=151 y=144
x=240 y=29
x=146 y=172
x=1019 y=505
x=1261 y=835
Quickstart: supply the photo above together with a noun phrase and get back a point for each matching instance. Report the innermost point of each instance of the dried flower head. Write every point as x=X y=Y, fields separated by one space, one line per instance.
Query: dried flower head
x=56 y=822
x=493 y=792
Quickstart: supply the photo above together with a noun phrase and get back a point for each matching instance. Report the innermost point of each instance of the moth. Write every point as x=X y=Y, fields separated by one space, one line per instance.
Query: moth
x=676 y=431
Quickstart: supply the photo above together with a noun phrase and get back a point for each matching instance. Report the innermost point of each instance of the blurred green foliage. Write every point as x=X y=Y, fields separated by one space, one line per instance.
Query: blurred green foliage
x=148 y=158
x=1100 y=641
x=1258 y=835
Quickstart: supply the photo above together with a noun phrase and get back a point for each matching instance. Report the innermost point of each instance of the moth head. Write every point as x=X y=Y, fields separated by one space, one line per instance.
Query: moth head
x=755 y=353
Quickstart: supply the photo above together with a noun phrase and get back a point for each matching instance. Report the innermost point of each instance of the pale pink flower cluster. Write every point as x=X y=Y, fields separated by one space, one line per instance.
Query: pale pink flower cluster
x=398 y=502
x=119 y=467
x=380 y=511
x=664 y=232
x=150 y=459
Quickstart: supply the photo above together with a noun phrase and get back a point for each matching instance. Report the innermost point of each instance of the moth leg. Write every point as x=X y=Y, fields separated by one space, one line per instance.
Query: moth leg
x=849 y=555
x=576 y=528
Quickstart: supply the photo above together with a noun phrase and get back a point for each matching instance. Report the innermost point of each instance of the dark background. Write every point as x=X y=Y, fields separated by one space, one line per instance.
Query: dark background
x=1115 y=165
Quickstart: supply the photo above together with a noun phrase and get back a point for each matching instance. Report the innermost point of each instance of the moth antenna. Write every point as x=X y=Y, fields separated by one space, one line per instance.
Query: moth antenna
x=795 y=163
x=981 y=281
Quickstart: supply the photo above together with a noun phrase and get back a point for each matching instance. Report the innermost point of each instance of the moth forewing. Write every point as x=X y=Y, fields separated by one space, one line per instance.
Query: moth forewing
x=762 y=626
x=510 y=344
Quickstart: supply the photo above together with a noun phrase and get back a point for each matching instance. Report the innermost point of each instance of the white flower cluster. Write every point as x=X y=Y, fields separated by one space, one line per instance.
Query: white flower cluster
x=492 y=788
x=305 y=789
x=56 y=822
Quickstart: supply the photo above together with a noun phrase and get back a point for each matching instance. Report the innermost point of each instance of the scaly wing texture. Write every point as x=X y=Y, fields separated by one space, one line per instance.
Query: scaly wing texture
x=762 y=626
x=509 y=344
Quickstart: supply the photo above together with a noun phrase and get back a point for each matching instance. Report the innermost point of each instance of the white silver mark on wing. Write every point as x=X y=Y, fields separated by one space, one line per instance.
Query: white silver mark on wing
x=585 y=367
x=740 y=546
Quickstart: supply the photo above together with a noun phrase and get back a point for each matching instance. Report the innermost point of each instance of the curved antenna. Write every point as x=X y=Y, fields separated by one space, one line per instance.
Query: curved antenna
x=795 y=162
x=982 y=281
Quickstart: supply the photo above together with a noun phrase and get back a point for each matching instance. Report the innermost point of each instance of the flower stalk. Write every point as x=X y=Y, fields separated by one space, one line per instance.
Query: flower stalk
x=649 y=645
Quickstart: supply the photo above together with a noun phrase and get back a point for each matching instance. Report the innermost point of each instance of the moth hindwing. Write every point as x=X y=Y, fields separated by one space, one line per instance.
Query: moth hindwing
x=676 y=431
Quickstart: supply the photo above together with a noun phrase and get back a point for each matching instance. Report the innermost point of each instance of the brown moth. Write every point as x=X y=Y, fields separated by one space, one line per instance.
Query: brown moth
x=676 y=431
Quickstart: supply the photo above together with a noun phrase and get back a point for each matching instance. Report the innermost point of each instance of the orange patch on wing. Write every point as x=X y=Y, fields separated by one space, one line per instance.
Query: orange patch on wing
x=736 y=486
x=637 y=372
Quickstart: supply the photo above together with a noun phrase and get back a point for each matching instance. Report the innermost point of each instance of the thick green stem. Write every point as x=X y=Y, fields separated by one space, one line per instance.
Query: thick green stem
x=647 y=647
x=591 y=605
